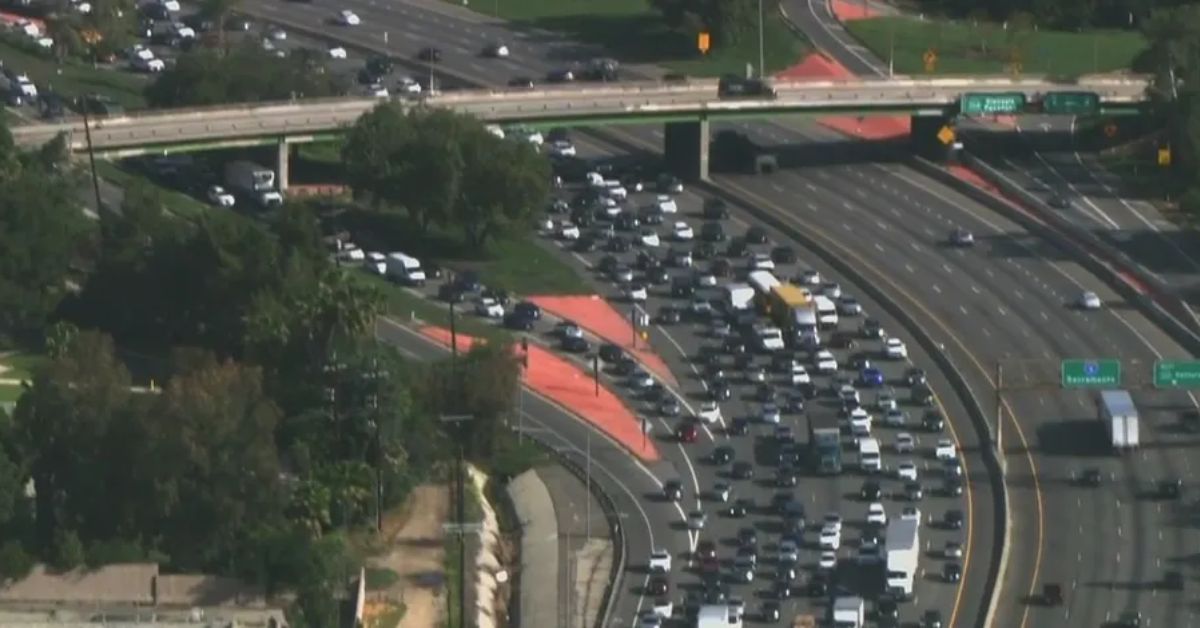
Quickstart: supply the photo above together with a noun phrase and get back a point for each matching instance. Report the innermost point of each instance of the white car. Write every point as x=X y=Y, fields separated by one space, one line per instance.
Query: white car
x=276 y=33
x=219 y=197
x=953 y=549
x=348 y=18
x=770 y=413
x=762 y=261
x=945 y=450
x=860 y=418
x=810 y=278
x=664 y=607
x=905 y=443
x=849 y=394
x=827 y=561
x=895 y=417
x=701 y=306
x=377 y=90
x=696 y=520
x=721 y=492
x=665 y=204
x=832 y=520
x=800 y=375
x=876 y=514
x=860 y=431
x=649 y=238
x=683 y=231
x=489 y=307
x=636 y=293
x=568 y=231
x=337 y=52
x=825 y=361
x=183 y=31
x=710 y=412
x=1089 y=301
x=830 y=539
x=409 y=85
x=497 y=50
x=911 y=512
x=831 y=289
x=894 y=349
x=907 y=471
x=148 y=65
x=376 y=263
x=885 y=400
x=706 y=280
x=614 y=189
x=562 y=148
x=660 y=561
x=849 y=306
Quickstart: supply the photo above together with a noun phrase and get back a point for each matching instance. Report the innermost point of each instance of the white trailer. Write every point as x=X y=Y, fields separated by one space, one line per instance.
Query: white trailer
x=903 y=544
x=739 y=296
x=849 y=612
x=252 y=181
x=762 y=281
x=1120 y=418
x=718 y=616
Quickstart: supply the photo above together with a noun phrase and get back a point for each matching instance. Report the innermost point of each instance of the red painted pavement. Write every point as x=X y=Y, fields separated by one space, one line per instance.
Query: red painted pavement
x=818 y=67
x=571 y=387
x=597 y=316
x=846 y=10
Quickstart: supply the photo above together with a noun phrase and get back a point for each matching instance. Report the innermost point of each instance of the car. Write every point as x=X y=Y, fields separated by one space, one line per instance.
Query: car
x=860 y=419
x=640 y=379
x=756 y=235
x=739 y=509
x=869 y=554
x=916 y=376
x=1089 y=301
x=894 y=349
x=870 y=491
x=762 y=261
x=650 y=619
x=769 y=612
x=907 y=471
x=827 y=561
x=636 y=293
x=348 y=18
x=951 y=468
x=658 y=586
x=831 y=289
x=738 y=426
x=747 y=537
x=660 y=561
x=574 y=344
x=696 y=520
x=649 y=237
x=1089 y=477
x=887 y=611
x=715 y=209
x=429 y=54
x=669 y=184
x=799 y=375
x=337 y=52
x=682 y=231
x=833 y=520
x=786 y=477
x=608 y=351
x=489 y=308
x=952 y=486
x=769 y=414
x=561 y=148
x=871 y=377
x=721 y=492
x=722 y=455
x=1058 y=201
x=1169 y=489
x=876 y=515
x=953 y=519
x=933 y=422
x=945 y=450
x=905 y=443
x=830 y=538
x=701 y=307
x=668 y=315
x=825 y=362
x=962 y=237
x=1129 y=619
x=669 y=406
x=567 y=230
x=742 y=470
x=705 y=280
x=952 y=571
x=218 y=196
x=788 y=552
x=673 y=490
x=886 y=401
x=911 y=512
x=849 y=306
x=681 y=258
x=952 y=549
x=783 y=255
x=931 y=618
x=872 y=329
x=495 y=50
x=895 y=417
x=687 y=432
x=913 y=491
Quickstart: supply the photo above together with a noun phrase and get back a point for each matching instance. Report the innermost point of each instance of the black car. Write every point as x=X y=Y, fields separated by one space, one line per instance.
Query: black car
x=468 y=281
x=1130 y=619
x=738 y=426
x=818 y=587
x=1169 y=489
x=715 y=209
x=610 y=352
x=657 y=276
x=769 y=612
x=712 y=232
x=739 y=509
x=572 y=344
x=704 y=250
x=734 y=346
x=737 y=248
x=608 y=264
x=783 y=590
x=625 y=366
x=870 y=491
x=722 y=455
x=657 y=587
x=720 y=391
x=668 y=315
x=742 y=470
x=429 y=54
x=921 y=395
x=932 y=618
x=783 y=255
x=618 y=245
x=952 y=486
x=872 y=329
x=518 y=321
x=682 y=288
x=560 y=76
x=953 y=519
x=721 y=268
x=1089 y=477
x=756 y=235
x=379 y=65
x=786 y=477
x=522 y=82
x=626 y=221
x=673 y=490
x=913 y=491
x=747 y=537
x=916 y=377
x=887 y=612
x=933 y=422
x=650 y=216
x=450 y=293
x=525 y=308
x=952 y=572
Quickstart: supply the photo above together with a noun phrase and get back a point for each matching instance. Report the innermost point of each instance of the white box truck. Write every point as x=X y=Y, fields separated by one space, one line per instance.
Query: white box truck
x=903 y=544
x=869 y=458
x=1120 y=418
x=849 y=612
x=739 y=296
x=718 y=616
x=405 y=269
x=253 y=182
x=827 y=314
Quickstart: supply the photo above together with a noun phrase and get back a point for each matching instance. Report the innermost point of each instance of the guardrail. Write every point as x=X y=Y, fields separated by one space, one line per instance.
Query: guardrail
x=617 y=567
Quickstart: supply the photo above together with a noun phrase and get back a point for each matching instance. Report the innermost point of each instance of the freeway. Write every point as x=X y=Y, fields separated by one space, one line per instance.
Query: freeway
x=647 y=523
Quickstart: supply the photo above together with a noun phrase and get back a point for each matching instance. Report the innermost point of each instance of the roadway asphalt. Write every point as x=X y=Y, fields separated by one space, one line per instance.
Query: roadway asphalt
x=648 y=522
x=1005 y=300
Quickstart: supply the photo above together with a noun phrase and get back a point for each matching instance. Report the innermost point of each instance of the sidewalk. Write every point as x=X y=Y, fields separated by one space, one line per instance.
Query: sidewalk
x=552 y=506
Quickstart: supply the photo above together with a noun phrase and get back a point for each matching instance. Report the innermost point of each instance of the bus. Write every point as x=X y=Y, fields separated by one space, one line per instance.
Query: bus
x=790 y=306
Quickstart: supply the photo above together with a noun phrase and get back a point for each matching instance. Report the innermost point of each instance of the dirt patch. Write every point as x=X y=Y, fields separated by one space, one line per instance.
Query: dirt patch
x=413 y=548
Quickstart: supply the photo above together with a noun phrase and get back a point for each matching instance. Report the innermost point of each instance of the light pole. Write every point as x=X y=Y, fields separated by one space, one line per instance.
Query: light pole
x=761 y=56
x=461 y=528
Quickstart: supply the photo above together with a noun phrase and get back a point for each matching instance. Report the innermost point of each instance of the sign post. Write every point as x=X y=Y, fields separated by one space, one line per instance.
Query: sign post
x=930 y=58
x=703 y=42
x=1177 y=374
x=1164 y=156
x=946 y=135
x=1091 y=373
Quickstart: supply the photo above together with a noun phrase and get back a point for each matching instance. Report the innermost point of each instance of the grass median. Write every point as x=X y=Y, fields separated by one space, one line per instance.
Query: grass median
x=987 y=48
x=175 y=202
x=634 y=32
x=75 y=78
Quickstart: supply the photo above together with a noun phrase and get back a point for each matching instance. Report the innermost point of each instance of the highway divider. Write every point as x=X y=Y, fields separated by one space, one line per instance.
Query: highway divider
x=612 y=517
x=1149 y=294
x=961 y=388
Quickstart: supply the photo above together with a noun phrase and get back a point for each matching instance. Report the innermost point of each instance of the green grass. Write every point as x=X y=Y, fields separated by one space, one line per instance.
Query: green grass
x=21 y=365
x=633 y=32
x=176 y=202
x=451 y=571
x=987 y=48
x=380 y=578
x=73 y=78
x=389 y=618
x=402 y=305
x=10 y=394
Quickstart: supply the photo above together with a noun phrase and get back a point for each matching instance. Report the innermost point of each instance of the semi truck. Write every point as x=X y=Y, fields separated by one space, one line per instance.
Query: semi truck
x=1120 y=418
x=849 y=612
x=792 y=309
x=903 y=544
x=825 y=444
x=739 y=296
x=763 y=282
x=254 y=182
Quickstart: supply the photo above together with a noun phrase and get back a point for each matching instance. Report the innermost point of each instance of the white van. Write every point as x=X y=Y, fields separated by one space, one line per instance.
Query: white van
x=827 y=314
x=868 y=455
x=405 y=269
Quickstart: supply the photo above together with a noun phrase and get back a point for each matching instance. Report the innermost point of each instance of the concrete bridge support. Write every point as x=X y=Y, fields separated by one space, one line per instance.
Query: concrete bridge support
x=685 y=149
x=281 y=169
x=923 y=137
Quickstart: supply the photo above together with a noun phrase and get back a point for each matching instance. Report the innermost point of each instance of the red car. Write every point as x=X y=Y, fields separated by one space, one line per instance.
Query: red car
x=688 y=433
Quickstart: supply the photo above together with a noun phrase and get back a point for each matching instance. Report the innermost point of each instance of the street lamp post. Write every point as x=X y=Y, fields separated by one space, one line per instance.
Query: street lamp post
x=761 y=56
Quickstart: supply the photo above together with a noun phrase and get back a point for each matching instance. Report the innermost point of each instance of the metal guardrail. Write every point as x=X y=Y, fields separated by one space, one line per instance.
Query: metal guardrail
x=617 y=568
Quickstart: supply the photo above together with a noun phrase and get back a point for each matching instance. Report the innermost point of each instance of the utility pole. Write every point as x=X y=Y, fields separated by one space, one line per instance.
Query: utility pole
x=761 y=56
x=596 y=371
x=588 y=481
x=1000 y=418
x=87 y=135
x=375 y=375
x=461 y=528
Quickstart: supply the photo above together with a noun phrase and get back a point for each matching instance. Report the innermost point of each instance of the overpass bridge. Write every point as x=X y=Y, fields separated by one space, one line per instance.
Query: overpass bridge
x=685 y=109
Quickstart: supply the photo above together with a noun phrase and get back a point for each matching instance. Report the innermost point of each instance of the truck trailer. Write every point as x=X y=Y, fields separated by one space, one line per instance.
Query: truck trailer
x=739 y=296
x=254 y=182
x=903 y=544
x=1120 y=418
x=718 y=616
x=849 y=612
x=825 y=444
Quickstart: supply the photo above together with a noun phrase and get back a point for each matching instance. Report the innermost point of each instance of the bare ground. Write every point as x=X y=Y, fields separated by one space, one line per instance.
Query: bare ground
x=413 y=548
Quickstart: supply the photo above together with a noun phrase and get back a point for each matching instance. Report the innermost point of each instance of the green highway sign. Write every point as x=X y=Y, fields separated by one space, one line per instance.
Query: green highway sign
x=1071 y=103
x=1177 y=374
x=974 y=104
x=1091 y=373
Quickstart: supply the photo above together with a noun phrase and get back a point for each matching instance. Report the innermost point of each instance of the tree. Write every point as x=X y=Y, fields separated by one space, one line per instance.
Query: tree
x=67 y=552
x=245 y=73
x=218 y=11
x=15 y=562
x=503 y=183
x=727 y=20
